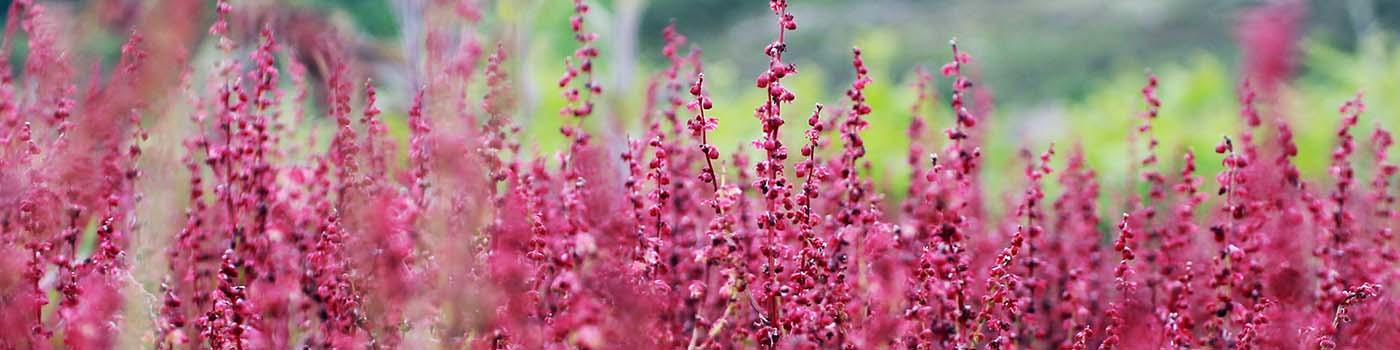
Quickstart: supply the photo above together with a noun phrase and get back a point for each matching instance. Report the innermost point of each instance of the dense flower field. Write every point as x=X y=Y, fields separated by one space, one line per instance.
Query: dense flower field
x=462 y=238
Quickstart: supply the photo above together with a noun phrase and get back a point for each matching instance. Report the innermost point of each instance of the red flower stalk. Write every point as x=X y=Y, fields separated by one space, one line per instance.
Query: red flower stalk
x=1178 y=319
x=1081 y=338
x=1176 y=269
x=810 y=169
x=1382 y=268
x=812 y=282
x=1228 y=259
x=674 y=85
x=343 y=147
x=580 y=95
x=1076 y=228
x=580 y=106
x=499 y=100
x=964 y=160
x=1001 y=282
x=854 y=145
x=660 y=195
x=699 y=127
x=668 y=170
x=923 y=91
x=1144 y=131
x=1335 y=290
x=1338 y=234
x=853 y=218
x=337 y=303
x=224 y=325
x=1182 y=232
x=1347 y=298
x=497 y=132
x=374 y=142
x=636 y=151
x=772 y=184
x=538 y=249
x=720 y=229
x=1250 y=114
x=419 y=153
x=952 y=192
x=724 y=251
x=1258 y=319
x=1146 y=168
x=1123 y=277
x=1034 y=284
x=1287 y=150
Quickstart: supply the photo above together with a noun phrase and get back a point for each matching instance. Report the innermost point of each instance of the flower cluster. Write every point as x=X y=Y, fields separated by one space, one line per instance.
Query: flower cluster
x=458 y=238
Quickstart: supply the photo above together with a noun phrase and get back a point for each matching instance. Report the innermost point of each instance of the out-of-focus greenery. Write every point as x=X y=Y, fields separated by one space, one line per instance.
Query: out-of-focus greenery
x=1199 y=100
x=1199 y=107
x=1035 y=50
x=1065 y=71
x=374 y=17
x=1057 y=79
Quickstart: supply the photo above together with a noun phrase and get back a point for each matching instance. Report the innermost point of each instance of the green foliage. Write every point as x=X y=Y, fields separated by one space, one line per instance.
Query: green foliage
x=374 y=17
x=1199 y=107
x=1097 y=110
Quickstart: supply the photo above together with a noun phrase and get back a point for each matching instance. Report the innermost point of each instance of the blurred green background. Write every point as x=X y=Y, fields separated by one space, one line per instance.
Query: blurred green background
x=1063 y=71
x=1066 y=71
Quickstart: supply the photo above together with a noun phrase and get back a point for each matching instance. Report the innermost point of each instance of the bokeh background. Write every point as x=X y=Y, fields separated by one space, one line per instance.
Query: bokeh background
x=1064 y=71
x=1061 y=71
